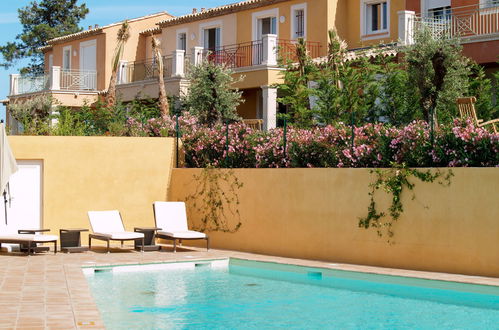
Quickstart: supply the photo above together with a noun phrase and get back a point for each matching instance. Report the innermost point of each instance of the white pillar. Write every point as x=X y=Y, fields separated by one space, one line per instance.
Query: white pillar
x=406 y=26
x=269 y=45
x=55 y=78
x=122 y=72
x=178 y=61
x=14 y=83
x=269 y=96
x=197 y=55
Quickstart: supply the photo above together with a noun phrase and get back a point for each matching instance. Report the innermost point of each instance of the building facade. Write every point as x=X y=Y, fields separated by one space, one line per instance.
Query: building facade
x=250 y=37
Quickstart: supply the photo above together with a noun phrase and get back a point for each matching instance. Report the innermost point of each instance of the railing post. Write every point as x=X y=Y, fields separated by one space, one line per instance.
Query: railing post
x=197 y=55
x=122 y=72
x=269 y=45
x=14 y=83
x=406 y=26
x=55 y=78
x=178 y=61
x=269 y=96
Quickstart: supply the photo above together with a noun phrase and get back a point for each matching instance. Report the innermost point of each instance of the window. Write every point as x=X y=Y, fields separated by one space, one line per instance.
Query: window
x=489 y=3
x=66 y=58
x=265 y=22
x=440 y=13
x=212 y=38
x=299 y=21
x=182 y=41
x=377 y=17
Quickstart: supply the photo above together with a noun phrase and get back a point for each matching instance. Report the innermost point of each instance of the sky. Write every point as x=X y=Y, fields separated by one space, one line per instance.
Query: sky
x=101 y=12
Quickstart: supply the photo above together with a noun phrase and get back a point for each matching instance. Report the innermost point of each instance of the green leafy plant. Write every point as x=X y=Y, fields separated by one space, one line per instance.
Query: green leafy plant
x=33 y=114
x=215 y=198
x=211 y=96
x=395 y=181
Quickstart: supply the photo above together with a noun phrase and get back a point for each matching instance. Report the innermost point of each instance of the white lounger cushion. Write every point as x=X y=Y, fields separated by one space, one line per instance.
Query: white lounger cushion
x=183 y=234
x=172 y=219
x=29 y=237
x=121 y=235
x=171 y=216
x=106 y=221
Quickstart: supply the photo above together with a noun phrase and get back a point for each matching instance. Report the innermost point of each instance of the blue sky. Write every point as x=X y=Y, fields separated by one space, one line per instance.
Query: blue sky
x=101 y=12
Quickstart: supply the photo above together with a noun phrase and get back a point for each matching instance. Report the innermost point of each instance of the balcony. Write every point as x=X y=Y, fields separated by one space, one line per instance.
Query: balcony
x=55 y=80
x=253 y=55
x=469 y=23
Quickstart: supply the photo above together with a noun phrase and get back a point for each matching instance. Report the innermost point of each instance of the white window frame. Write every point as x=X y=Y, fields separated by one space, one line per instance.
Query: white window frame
x=211 y=25
x=178 y=33
x=264 y=14
x=426 y=6
x=486 y=4
x=294 y=9
x=366 y=33
x=64 y=49
x=83 y=44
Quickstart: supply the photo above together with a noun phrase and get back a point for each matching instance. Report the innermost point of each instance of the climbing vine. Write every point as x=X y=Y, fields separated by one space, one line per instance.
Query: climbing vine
x=216 y=199
x=394 y=181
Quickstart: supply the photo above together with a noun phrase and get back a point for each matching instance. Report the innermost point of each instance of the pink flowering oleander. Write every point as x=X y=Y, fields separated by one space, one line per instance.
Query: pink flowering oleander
x=374 y=145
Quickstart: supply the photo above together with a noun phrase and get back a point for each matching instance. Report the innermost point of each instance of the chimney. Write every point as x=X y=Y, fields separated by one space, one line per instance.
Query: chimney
x=194 y=10
x=90 y=27
x=203 y=9
x=96 y=26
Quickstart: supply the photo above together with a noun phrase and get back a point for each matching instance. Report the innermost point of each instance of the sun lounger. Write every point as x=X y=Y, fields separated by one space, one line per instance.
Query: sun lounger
x=108 y=226
x=29 y=240
x=172 y=219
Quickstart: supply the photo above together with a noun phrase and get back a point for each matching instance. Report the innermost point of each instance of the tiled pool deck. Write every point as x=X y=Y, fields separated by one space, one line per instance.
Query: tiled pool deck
x=48 y=291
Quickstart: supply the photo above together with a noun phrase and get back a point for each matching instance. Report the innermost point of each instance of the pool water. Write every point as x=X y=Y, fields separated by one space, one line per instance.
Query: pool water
x=240 y=294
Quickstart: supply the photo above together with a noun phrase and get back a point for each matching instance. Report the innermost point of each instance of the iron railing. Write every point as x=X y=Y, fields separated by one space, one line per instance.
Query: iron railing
x=462 y=22
x=238 y=55
x=287 y=49
x=148 y=69
x=78 y=80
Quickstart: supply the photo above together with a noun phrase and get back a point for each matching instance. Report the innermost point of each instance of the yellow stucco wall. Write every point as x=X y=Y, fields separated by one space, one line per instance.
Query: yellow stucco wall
x=313 y=214
x=135 y=48
x=98 y=173
x=227 y=23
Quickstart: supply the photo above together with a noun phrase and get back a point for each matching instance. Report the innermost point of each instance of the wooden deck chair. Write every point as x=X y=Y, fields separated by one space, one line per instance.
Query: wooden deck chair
x=255 y=124
x=466 y=107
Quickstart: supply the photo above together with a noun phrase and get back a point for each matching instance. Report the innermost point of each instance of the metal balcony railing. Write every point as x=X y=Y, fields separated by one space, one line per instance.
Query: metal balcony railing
x=147 y=69
x=81 y=80
x=56 y=79
x=462 y=22
x=251 y=53
x=287 y=50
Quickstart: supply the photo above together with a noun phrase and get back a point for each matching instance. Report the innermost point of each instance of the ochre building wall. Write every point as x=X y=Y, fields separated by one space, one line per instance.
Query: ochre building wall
x=81 y=174
x=314 y=214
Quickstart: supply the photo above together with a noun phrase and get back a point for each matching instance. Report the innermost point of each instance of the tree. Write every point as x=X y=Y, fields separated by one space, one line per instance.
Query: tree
x=211 y=95
x=33 y=114
x=42 y=20
x=295 y=90
x=121 y=39
x=163 y=100
x=346 y=90
x=481 y=88
x=439 y=72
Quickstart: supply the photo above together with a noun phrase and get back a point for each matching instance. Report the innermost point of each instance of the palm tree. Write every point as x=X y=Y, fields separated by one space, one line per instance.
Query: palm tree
x=164 y=107
x=121 y=38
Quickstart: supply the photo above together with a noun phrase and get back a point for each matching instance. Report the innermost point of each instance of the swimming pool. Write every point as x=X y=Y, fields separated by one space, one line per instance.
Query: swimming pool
x=236 y=293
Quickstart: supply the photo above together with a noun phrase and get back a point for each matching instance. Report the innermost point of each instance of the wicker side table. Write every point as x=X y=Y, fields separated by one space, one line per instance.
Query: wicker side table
x=71 y=240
